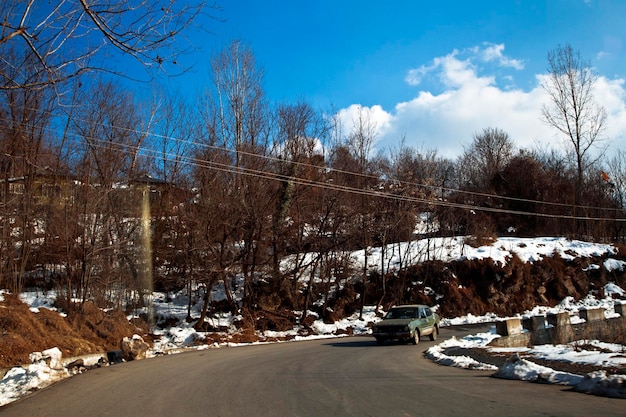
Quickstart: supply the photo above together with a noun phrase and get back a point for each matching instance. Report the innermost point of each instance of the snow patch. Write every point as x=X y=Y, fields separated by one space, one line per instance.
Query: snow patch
x=20 y=381
x=599 y=383
x=524 y=370
x=614 y=265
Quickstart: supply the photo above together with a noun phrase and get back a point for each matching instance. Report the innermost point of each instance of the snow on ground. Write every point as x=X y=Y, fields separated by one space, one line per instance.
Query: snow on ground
x=47 y=367
x=37 y=299
x=501 y=251
x=517 y=367
x=19 y=381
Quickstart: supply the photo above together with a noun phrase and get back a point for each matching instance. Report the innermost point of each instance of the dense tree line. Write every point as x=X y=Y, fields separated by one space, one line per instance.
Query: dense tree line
x=236 y=184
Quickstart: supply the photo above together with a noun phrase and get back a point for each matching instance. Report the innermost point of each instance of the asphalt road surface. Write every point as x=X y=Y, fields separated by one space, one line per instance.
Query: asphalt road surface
x=332 y=377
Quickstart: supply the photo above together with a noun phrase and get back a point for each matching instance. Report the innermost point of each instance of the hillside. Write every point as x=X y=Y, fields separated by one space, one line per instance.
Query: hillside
x=28 y=329
x=503 y=277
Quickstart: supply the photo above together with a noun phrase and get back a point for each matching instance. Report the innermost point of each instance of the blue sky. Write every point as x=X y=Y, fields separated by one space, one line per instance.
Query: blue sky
x=433 y=73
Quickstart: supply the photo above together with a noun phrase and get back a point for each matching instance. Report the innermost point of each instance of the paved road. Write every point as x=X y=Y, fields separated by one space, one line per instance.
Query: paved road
x=333 y=377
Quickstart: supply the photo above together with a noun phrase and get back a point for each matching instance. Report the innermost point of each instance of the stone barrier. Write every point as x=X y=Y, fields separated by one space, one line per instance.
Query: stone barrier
x=557 y=328
x=558 y=319
x=560 y=330
x=534 y=323
x=511 y=332
x=509 y=327
x=591 y=314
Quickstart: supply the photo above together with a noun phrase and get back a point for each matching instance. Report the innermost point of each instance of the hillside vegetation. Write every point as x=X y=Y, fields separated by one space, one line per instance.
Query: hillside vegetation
x=457 y=287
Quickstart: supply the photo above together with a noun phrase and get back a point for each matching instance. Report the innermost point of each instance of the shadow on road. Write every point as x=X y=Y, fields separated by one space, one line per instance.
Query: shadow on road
x=351 y=343
x=357 y=342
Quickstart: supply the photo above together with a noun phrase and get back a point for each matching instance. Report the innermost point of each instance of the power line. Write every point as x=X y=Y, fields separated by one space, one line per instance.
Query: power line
x=223 y=167
x=272 y=176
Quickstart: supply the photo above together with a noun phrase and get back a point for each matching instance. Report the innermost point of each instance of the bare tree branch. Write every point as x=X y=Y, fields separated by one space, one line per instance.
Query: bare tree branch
x=72 y=37
x=573 y=111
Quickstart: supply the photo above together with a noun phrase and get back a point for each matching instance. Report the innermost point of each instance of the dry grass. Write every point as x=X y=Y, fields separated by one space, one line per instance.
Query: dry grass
x=476 y=241
x=89 y=330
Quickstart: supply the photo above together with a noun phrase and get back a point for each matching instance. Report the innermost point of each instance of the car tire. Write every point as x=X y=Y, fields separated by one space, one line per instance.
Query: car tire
x=433 y=335
x=416 y=337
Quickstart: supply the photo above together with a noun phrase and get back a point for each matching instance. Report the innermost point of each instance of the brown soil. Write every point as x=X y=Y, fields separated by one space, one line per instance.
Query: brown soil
x=481 y=286
x=89 y=330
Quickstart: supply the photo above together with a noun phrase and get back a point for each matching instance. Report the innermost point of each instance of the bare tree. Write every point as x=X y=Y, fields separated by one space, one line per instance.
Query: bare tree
x=112 y=131
x=68 y=38
x=573 y=111
x=236 y=120
x=171 y=142
x=362 y=137
x=360 y=141
x=615 y=184
x=169 y=149
x=25 y=118
x=616 y=178
x=238 y=101
x=299 y=128
x=488 y=154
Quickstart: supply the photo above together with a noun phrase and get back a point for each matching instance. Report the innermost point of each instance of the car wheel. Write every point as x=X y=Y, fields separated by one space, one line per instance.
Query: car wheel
x=416 y=337
x=433 y=335
x=380 y=341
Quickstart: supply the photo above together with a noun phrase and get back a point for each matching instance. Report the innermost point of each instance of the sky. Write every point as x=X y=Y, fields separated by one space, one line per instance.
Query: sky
x=430 y=75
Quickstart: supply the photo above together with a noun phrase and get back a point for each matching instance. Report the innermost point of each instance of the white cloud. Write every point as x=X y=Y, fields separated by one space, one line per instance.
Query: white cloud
x=414 y=76
x=453 y=70
x=469 y=102
x=377 y=118
x=449 y=69
x=493 y=52
x=611 y=95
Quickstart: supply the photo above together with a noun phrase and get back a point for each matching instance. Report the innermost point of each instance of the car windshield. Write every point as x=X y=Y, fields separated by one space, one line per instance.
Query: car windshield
x=401 y=313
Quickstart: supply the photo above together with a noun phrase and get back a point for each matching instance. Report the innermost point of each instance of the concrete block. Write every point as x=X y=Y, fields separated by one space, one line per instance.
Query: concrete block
x=558 y=319
x=591 y=314
x=522 y=339
x=534 y=323
x=509 y=327
x=561 y=331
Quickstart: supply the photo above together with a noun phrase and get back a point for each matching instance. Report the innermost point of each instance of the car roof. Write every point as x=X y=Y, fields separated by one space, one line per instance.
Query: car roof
x=410 y=306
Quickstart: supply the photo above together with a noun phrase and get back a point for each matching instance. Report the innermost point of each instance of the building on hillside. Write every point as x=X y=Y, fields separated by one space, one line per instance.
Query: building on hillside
x=164 y=196
x=44 y=187
x=53 y=190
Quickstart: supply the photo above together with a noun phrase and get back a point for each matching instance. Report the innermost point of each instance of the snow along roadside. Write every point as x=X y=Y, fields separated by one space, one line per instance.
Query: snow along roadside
x=516 y=368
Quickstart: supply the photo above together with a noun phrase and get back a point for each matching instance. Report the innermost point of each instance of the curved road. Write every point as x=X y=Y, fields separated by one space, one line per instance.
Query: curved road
x=332 y=377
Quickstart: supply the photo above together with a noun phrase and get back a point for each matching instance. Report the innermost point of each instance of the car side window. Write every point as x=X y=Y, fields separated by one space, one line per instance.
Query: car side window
x=428 y=312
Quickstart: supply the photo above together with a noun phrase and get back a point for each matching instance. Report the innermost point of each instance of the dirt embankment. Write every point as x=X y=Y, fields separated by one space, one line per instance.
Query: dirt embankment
x=88 y=330
x=480 y=286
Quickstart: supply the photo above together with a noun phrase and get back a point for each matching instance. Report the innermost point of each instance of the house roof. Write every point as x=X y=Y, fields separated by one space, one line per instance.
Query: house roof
x=148 y=179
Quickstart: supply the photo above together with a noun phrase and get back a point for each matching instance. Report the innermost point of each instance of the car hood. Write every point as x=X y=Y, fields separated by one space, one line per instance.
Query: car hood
x=394 y=322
